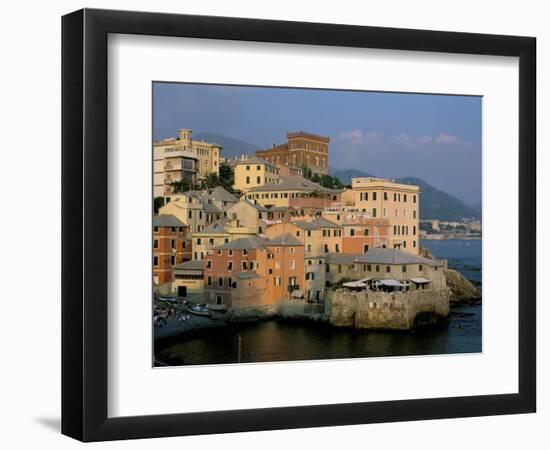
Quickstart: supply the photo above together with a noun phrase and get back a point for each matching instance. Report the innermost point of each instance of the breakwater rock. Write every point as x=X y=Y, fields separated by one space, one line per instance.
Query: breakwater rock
x=461 y=288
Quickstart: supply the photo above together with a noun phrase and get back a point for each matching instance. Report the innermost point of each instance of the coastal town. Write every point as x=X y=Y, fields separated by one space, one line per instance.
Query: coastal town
x=273 y=234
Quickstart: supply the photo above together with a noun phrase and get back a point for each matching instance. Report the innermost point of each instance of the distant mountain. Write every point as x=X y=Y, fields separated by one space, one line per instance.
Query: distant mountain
x=231 y=146
x=345 y=175
x=436 y=204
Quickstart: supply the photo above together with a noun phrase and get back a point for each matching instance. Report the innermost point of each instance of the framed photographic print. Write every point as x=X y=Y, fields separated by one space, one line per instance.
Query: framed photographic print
x=273 y=224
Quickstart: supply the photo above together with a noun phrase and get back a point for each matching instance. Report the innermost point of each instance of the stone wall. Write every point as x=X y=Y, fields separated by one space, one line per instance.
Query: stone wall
x=378 y=310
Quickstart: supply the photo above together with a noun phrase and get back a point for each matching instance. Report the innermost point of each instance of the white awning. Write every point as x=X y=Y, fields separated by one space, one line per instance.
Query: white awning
x=354 y=284
x=297 y=294
x=392 y=283
x=420 y=280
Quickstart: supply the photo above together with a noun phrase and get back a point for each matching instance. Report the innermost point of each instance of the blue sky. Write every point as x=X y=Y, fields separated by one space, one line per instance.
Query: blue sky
x=434 y=137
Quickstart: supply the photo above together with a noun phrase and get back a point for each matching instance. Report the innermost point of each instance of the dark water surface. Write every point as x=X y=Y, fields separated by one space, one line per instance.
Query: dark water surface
x=292 y=341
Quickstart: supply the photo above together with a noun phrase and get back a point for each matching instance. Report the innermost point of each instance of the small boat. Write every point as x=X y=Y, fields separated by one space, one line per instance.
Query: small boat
x=198 y=310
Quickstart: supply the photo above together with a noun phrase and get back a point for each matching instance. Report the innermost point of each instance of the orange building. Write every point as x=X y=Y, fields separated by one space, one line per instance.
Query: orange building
x=254 y=272
x=301 y=149
x=171 y=246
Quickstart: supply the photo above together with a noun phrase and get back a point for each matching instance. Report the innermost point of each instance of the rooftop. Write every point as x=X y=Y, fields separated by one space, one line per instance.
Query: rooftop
x=245 y=243
x=194 y=264
x=284 y=240
x=316 y=224
x=220 y=194
x=167 y=220
x=382 y=256
x=293 y=183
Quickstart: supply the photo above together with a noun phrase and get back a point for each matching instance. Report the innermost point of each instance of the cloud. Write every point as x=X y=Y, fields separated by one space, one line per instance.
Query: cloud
x=358 y=137
x=443 y=138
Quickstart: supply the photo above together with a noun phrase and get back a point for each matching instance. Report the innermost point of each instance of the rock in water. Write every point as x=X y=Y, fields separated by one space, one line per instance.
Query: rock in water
x=461 y=288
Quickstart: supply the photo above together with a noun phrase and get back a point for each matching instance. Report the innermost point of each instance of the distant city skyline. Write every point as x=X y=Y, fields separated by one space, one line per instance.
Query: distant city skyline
x=433 y=137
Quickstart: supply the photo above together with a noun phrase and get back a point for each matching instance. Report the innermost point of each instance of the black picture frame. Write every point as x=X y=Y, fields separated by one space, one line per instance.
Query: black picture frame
x=84 y=224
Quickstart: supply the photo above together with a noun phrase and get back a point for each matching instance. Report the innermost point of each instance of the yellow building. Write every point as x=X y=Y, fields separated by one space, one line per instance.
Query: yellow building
x=253 y=172
x=398 y=203
x=206 y=157
x=293 y=192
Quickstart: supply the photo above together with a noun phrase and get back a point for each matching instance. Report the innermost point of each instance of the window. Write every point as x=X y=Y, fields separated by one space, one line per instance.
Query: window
x=369 y=268
x=220 y=282
x=404 y=244
x=156 y=229
x=403 y=269
x=337 y=248
x=373 y=212
x=352 y=232
x=190 y=214
x=258 y=180
x=277 y=281
x=405 y=198
x=245 y=251
x=326 y=248
x=230 y=266
x=388 y=269
x=298 y=233
x=292 y=264
x=377 y=268
x=229 y=252
x=374 y=196
x=247 y=180
x=156 y=243
x=365 y=248
x=257 y=167
x=420 y=267
x=414 y=244
x=200 y=214
x=244 y=266
x=199 y=241
x=211 y=241
x=247 y=167
x=308 y=248
x=209 y=280
x=155 y=261
x=208 y=263
x=414 y=198
x=219 y=299
x=292 y=250
x=173 y=229
x=385 y=195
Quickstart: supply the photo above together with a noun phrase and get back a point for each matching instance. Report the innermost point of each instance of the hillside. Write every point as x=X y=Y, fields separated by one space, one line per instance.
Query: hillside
x=436 y=204
x=231 y=146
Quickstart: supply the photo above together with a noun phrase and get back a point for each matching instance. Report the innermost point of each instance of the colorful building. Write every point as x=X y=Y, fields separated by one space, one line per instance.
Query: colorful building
x=301 y=149
x=252 y=172
x=294 y=192
x=171 y=246
x=254 y=272
x=184 y=148
x=398 y=203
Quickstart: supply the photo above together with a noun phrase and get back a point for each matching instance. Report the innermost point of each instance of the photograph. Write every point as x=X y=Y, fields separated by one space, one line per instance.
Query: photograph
x=295 y=224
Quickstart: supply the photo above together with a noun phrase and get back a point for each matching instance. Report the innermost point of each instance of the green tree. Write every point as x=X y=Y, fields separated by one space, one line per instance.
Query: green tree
x=179 y=186
x=316 y=178
x=306 y=171
x=158 y=203
x=211 y=181
x=337 y=183
x=227 y=177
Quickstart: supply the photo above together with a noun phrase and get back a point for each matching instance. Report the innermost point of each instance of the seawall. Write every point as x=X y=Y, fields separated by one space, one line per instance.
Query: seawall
x=390 y=311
